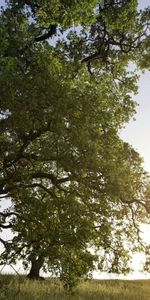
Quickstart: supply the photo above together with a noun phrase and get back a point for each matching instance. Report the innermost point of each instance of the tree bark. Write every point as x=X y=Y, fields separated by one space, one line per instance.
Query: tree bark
x=36 y=265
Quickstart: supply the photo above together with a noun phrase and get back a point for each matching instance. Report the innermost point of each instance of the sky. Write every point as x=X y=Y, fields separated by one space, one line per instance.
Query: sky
x=137 y=134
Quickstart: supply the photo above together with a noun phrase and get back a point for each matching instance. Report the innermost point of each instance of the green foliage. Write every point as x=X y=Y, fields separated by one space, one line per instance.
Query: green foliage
x=73 y=184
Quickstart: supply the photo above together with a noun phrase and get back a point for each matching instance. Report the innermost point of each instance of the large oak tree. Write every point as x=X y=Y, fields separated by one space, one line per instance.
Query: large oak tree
x=67 y=81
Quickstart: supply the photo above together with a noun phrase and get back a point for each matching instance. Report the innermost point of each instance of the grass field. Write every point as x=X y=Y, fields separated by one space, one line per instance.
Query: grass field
x=19 y=288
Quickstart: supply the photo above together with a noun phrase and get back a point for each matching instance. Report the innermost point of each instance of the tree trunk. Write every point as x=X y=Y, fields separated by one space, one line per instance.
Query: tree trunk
x=36 y=265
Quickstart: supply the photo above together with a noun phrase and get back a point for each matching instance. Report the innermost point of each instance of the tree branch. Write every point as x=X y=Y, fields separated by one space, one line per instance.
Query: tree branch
x=50 y=32
x=5 y=226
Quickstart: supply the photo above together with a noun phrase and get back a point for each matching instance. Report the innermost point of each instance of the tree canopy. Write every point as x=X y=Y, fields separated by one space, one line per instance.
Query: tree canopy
x=68 y=74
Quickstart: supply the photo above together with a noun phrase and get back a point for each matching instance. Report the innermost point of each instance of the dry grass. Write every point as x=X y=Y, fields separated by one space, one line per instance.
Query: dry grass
x=19 y=288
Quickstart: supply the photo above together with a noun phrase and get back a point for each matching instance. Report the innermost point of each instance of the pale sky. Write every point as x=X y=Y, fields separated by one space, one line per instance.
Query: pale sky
x=137 y=132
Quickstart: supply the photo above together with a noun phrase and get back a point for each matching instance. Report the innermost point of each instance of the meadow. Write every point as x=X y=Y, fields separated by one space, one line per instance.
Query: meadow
x=19 y=288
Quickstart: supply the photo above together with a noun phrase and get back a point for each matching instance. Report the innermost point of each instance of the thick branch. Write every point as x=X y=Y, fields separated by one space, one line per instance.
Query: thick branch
x=50 y=32
x=26 y=139
x=5 y=226
x=8 y=214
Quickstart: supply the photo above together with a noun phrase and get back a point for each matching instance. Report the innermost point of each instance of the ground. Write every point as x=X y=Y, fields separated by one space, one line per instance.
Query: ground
x=19 y=288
